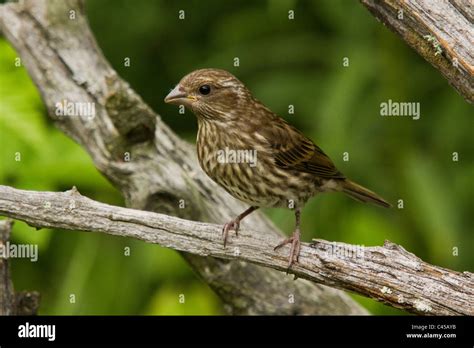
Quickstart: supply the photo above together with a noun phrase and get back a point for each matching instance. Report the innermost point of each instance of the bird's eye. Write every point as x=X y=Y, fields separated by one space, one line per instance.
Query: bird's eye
x=205 y=89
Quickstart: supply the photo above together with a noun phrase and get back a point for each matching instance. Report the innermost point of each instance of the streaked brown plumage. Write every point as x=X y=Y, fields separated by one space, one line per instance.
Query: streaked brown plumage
x=289 y=168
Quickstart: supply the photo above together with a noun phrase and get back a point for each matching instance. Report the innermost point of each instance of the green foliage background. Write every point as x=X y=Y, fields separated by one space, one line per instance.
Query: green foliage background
x=283 y=62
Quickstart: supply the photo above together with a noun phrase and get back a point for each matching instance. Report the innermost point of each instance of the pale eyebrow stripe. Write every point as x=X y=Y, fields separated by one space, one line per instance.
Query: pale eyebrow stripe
x=227 y=83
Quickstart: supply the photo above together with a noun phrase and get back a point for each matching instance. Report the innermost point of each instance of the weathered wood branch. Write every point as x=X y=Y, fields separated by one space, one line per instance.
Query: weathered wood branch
x=7 y=294
x=441 y=31
x=64 y=61
x=388 y=274
x=11 y=303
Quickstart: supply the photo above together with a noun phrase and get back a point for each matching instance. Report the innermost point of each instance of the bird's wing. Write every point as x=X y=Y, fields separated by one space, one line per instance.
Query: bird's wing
x=291 y=149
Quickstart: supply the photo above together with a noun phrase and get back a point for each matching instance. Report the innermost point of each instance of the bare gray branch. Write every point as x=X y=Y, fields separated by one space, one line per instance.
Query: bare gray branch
x=11 y=303
x=388 y=274
x=441 y=31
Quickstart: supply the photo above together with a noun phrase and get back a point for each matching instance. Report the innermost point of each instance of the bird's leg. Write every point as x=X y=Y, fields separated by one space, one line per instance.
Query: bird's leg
x=235 y=224
x=294 y=240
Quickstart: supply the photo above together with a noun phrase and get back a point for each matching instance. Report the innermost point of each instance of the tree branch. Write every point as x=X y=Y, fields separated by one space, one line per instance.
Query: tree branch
x=388 y=274
x=11 y=303
x=7 y=294
x=440 y=31
x=65 y=63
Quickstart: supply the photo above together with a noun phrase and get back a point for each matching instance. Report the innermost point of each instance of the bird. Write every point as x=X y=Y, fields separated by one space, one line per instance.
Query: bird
x=255 y=155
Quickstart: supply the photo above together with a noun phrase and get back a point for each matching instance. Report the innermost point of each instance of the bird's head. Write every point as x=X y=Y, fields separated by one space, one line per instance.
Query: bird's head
x=211 y=94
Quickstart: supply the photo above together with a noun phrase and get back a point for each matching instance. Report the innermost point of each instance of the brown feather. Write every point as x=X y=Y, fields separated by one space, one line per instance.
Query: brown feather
x=293 y=150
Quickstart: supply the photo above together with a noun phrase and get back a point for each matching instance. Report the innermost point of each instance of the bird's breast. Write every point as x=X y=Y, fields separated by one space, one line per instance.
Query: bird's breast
x=244 y=166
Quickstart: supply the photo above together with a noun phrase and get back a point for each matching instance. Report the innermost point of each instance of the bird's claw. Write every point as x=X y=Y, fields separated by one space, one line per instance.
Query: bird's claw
x=294 y=248
x=232 y=225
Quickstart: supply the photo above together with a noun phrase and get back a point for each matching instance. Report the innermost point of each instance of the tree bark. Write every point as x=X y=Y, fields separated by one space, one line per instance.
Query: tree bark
x=7 y=294
x=11 y=303
x=60 y=53
x=388 y=274
x=441 y=31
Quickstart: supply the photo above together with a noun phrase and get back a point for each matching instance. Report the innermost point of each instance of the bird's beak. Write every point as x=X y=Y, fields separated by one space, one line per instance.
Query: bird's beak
x=176 y=95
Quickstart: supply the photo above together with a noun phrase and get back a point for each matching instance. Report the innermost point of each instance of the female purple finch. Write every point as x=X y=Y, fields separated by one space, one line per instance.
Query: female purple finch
x=254 y=154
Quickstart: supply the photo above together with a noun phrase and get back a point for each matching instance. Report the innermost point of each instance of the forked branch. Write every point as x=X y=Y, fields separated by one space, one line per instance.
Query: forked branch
x=58 y=49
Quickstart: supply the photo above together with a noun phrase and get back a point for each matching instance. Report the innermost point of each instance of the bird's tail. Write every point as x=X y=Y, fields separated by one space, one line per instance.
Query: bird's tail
x=362 y=194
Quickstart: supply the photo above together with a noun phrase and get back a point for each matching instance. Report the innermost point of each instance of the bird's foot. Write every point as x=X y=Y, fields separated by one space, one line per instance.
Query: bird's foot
x=295 y=247
x=232 y=225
